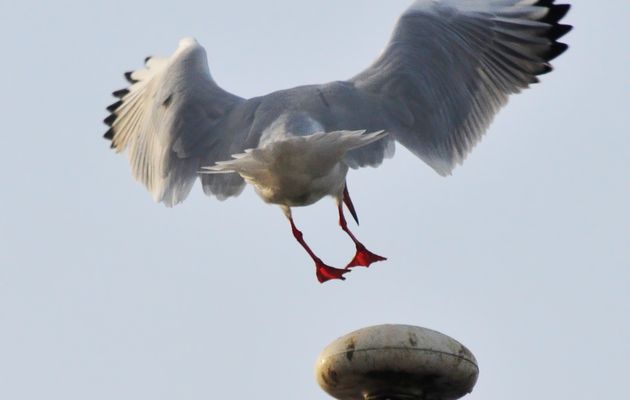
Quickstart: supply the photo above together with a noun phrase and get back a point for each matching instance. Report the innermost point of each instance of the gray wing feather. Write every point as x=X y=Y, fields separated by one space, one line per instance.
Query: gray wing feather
x=335 y=106
x=451 y=65
x=162 y=120
x=240 y=125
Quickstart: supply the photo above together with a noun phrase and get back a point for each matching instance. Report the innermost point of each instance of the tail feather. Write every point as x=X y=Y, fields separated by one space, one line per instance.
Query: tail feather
x=317 y=151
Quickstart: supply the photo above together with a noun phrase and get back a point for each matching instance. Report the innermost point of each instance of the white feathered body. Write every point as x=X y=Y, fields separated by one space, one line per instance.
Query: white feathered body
x=293 y=170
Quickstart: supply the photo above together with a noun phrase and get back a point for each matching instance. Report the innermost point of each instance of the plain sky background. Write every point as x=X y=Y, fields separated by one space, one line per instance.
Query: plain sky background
x=523 y=255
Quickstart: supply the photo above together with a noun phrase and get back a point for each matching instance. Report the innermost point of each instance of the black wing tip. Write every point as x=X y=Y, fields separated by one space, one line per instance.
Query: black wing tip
x=556 y=31
x=553 y=17
x=121 y=93
x=115 y=106
x=559 y=30
x=556 y=13
x=109 y=121
x=112 y=108
x=556 y=50
x=109 y=135
x=551 y=4
x=111 y=118
x=546 y=68
x=129 y=77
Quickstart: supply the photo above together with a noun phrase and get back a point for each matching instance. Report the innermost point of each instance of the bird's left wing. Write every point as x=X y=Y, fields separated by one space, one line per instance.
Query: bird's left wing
x=451 y=65
x=165 y=116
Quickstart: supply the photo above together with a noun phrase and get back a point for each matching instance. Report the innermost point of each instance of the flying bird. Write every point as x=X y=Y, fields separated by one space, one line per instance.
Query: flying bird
x=449 y=67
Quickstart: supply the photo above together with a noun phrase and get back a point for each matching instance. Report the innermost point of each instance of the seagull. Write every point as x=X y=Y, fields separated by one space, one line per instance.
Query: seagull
x=449 y=67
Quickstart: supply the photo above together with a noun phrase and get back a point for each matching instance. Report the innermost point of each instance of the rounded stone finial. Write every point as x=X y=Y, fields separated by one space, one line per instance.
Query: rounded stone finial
x=396 y=362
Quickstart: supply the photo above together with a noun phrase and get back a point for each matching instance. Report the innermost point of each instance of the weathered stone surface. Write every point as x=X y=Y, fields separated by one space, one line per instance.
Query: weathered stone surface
x=396 y=362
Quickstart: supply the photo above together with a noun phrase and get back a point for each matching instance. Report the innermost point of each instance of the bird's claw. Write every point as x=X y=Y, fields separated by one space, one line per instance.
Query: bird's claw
x=364 y=258
x=326 y=273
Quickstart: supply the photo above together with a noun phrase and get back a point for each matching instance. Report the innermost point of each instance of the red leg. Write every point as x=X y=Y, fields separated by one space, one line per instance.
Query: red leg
x=323 y=271
x=363 y=257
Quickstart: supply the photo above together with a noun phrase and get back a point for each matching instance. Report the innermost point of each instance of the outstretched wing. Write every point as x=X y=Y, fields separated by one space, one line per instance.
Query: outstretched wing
x=165 y=115
x=451 y=65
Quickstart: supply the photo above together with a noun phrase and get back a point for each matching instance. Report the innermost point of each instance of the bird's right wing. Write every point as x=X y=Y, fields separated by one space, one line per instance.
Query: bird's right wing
x=451 y=65
x=165 y=117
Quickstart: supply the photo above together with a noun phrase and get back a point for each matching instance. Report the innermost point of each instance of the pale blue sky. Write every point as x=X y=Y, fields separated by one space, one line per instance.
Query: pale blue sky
x=523 y=255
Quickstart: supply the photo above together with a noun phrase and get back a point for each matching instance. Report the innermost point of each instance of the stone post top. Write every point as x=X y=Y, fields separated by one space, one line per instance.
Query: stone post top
x=396 y=362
